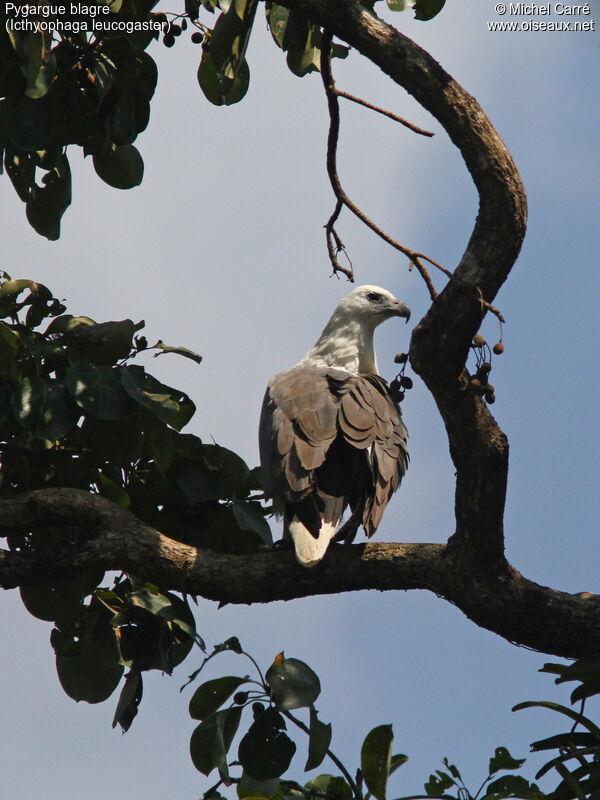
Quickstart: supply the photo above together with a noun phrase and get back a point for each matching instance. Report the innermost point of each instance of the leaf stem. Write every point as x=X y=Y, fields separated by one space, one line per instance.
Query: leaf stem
x=355 y=790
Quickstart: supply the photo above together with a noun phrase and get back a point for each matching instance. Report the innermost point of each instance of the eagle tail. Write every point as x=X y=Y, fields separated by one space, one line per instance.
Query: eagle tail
x=311 y=549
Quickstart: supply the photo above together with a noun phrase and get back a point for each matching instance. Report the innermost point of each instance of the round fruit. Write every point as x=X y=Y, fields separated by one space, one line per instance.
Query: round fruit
x=498 y=348
x=168 y=40
x=400 y=358
x=406 y=382
x=196 y=37
x=239 y=698
x=478 y=340
x=490 y=398
x=485 y=367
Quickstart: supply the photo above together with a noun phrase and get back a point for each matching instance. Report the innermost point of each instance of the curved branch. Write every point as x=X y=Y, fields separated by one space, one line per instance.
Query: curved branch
x=504 y=602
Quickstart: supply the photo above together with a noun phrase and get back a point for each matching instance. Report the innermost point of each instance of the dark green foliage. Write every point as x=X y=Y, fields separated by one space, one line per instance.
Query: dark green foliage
x=576 y=761
x=319 y=741
x=292 y=683
x=376 y=759
x=428 y=9
x=211 y=695
x=75 y=412
x=92 y=88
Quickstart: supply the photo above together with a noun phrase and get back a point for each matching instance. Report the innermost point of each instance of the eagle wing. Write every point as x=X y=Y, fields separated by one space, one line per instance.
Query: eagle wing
x=329 y=438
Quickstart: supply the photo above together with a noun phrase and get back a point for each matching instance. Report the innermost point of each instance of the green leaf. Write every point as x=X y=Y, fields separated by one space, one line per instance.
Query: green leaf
x=221 y=474
x=566 y=740
x=502 y=759
x=160 y=441
x=397 y=761
x=212 y=739
x=260 y=790
x=121 y=167
x=513 y=786
x=319 y=741
x=584 y=669
x=437 y=785
x=29 y=123
x=181 y=351
x=45 y=408
x=230 y=37
x=46 y=204
x=233 y=644
x=53 y=601
x=375 y=759
x=103 y=343
x=87 y=657
x=111 y=490
x=152 y=601
x=212 y=694
x=98 y=390
x=9 y=346
x=292 y=683
x=20 y=168
x=452 y=769
x=42 y=65
x=335 y=788
x=568 y=712
x=129 y=700
x=249 y=516
x=553 y=669
x=427 y=9
x=170 y=406
x=266 y=751
x=219 y=89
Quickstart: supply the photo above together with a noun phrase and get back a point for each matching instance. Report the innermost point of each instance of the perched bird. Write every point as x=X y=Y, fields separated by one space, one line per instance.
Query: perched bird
x=330 y=433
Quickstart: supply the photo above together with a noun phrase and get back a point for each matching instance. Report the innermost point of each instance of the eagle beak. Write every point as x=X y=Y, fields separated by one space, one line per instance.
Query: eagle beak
x=402 y=310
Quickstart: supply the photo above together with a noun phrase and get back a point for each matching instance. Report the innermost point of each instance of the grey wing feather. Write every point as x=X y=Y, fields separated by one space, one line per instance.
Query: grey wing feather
x=297 y=427
x=305 y=409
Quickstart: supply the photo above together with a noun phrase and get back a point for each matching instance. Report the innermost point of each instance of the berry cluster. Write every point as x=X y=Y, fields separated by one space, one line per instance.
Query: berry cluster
x=175 y=30
x=483 y=357
x=401 y=382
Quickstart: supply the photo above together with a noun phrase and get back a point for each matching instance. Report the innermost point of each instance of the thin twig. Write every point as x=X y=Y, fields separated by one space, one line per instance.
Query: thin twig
x=335 y=244
x=332 y=756
x=379 y=110
x=415 y=258
x=492 y=309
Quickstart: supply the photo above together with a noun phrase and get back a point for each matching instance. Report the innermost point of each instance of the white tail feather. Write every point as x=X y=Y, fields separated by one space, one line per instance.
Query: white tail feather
x=310 y=550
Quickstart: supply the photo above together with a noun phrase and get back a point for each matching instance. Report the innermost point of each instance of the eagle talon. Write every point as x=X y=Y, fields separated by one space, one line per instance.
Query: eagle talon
x=282 y=544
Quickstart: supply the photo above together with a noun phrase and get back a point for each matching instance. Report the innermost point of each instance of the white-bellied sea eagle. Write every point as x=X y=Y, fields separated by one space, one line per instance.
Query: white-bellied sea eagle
x=331 y=435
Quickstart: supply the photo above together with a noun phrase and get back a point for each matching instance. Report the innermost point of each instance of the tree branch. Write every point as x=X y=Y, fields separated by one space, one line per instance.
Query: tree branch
x=342 y=198
x=112 y=538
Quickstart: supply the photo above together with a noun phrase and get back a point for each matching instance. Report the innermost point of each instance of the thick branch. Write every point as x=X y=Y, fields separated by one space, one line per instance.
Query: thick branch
x=506 y=603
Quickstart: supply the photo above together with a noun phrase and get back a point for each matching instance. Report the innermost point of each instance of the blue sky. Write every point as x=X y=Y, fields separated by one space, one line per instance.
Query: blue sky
x=222 y=250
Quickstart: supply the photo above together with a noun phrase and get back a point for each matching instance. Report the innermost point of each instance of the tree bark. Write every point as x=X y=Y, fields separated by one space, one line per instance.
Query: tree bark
x=112 y=538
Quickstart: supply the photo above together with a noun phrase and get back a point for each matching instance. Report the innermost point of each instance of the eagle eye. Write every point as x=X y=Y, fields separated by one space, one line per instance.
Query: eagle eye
x=374 y=297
